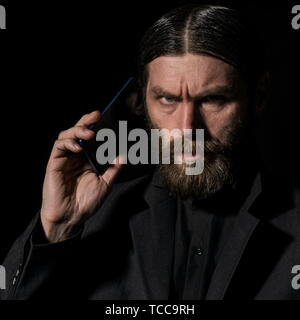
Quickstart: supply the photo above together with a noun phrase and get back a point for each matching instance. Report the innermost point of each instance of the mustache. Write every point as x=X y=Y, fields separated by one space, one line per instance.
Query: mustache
x=211 y=147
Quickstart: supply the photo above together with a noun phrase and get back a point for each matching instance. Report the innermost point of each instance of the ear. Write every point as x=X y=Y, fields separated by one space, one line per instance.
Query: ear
x=262 y=93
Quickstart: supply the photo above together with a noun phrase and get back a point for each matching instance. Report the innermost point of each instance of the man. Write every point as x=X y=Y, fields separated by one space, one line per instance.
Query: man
x=229 y=232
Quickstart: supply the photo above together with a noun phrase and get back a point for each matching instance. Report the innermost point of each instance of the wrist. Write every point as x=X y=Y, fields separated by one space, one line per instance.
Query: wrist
x=58 y=231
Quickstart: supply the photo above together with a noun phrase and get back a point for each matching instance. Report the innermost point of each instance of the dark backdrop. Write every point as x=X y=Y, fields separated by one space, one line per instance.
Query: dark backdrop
x=61 y=59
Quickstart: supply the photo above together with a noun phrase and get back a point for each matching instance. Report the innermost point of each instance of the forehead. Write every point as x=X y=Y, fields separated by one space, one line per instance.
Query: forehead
x=190 y=72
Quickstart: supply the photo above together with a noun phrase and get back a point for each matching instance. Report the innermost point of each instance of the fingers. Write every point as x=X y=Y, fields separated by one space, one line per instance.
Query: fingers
x=77 y=132
x=112 y=172
x=67 y=139
x=80 y=130
x=89 y=119
x=62 y=146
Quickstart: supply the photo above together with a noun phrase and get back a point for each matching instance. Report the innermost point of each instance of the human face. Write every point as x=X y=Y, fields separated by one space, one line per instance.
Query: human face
x=198 y=92
x=194 y=91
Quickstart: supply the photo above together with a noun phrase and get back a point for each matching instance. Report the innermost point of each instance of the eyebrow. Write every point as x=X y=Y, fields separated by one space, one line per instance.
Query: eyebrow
x=217 y=90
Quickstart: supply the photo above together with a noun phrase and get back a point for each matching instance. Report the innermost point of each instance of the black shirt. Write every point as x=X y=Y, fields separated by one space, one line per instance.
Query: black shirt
x=200 y=234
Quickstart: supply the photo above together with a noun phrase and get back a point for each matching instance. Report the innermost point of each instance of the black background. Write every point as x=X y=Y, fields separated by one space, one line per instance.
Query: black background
x=61 y=59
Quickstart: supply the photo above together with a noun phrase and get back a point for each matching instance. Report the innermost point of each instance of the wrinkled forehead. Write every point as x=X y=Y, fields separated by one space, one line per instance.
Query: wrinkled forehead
x=191 y=71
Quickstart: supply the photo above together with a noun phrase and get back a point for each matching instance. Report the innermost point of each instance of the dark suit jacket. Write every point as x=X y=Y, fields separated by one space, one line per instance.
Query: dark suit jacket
x=117 y=256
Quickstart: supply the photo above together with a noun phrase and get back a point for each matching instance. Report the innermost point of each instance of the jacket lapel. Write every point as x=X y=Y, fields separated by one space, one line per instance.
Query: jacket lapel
x=145 y=207
x=123 y=197
x=154 y=250
x=235 y=246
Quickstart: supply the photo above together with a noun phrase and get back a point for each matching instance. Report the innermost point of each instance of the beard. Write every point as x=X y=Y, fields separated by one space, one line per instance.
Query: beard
x=221 y=160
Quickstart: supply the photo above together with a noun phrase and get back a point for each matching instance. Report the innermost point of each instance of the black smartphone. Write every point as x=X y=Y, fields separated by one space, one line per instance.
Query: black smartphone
x=126 y=105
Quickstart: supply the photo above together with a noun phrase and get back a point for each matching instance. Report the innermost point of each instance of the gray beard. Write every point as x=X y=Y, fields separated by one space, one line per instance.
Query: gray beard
x=217 y=173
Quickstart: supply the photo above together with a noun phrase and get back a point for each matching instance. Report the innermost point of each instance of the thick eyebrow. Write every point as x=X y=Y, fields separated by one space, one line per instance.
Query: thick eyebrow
x=227 y=90
x=160 y=92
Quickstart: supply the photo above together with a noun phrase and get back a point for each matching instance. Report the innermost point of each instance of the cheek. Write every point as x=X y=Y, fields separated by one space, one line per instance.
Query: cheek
x=215 y=122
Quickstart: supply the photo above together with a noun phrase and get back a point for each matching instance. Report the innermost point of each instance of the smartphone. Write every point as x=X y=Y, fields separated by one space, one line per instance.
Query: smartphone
x=126 y=105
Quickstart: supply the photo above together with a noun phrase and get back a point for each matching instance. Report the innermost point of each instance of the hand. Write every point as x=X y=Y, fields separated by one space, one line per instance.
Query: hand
x=72 y=190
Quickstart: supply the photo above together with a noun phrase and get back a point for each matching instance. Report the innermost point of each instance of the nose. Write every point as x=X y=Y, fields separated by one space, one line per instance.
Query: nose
x=190 y=117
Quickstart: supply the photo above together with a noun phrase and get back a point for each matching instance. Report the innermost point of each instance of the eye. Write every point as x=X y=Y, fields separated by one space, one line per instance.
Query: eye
x=167 y=100
x=215 y=98
x=213 y=101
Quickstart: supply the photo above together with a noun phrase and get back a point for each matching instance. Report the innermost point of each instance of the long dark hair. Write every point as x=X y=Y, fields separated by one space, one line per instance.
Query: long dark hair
x=204 y=29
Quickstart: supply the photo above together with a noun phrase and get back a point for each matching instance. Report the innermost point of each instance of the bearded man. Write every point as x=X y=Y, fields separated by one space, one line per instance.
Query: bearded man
x=230 y=232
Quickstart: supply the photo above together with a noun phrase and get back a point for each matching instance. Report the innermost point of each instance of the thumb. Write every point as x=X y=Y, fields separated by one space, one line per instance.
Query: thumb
x=113 y=170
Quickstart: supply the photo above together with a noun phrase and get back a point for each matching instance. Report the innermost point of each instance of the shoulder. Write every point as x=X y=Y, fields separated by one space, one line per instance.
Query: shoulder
x=281 y=202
